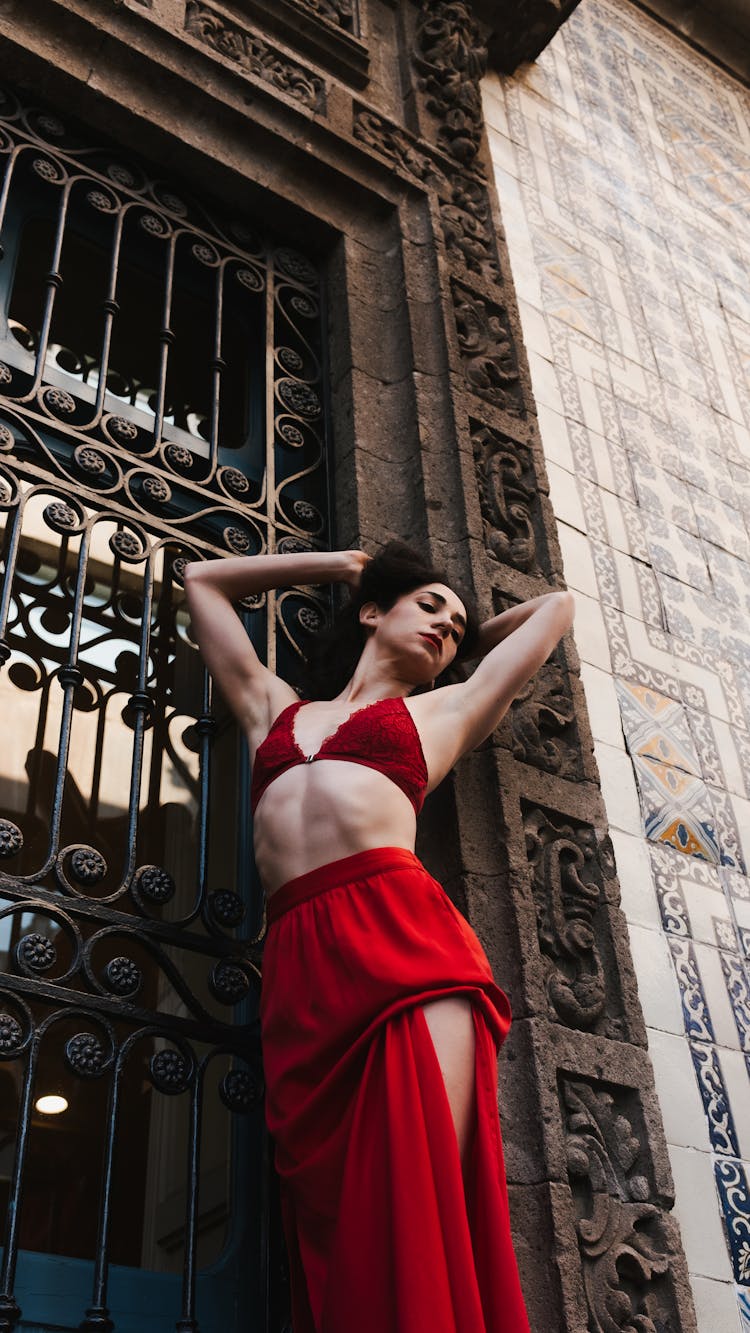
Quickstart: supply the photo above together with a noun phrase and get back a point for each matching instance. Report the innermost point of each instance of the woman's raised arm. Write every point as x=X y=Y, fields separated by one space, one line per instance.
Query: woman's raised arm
x=254 y=693
x=512 y=647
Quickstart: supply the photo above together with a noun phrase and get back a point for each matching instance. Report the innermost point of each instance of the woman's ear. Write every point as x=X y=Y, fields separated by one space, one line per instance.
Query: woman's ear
x=369 y=614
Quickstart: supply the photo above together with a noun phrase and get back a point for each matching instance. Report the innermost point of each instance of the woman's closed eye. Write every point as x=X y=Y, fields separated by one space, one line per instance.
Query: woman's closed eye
x=455 y=633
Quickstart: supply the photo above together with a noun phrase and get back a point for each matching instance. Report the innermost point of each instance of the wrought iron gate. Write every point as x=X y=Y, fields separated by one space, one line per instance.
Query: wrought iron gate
x=161 y=400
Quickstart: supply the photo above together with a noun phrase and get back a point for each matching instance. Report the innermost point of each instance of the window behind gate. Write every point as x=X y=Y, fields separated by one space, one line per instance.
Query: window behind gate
x=160 y=400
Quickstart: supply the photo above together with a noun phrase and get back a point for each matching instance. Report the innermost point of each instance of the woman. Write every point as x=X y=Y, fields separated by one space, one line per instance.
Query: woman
x=380 y=1016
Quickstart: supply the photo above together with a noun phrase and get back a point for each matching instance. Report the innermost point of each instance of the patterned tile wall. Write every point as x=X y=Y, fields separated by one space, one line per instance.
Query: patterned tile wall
x=622 y=160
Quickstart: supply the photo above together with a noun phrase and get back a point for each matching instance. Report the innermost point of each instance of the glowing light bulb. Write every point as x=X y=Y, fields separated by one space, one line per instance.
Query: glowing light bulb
x=51 y=1104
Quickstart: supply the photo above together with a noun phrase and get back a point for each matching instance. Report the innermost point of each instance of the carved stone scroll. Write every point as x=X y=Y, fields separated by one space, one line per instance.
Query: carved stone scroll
x=508 y=498
x=486 y=345
x=468 y=227
x=542 y=721
x=625 y=1247
x=567 y=884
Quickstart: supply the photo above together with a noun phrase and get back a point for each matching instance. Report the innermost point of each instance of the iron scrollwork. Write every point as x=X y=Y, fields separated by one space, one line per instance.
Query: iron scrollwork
x=131 y=962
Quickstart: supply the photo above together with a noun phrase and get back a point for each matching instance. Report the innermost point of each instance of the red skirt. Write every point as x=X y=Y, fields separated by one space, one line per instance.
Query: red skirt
x=383 y=1236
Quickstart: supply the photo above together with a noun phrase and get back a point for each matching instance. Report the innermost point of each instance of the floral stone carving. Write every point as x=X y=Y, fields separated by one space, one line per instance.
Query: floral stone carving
x=451 y=58
x=254 y=55
x=625 y=1248
x=468 y=227
x=486 y=346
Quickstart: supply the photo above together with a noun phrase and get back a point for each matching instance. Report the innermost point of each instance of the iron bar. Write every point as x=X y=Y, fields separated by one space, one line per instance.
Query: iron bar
x=159 y=481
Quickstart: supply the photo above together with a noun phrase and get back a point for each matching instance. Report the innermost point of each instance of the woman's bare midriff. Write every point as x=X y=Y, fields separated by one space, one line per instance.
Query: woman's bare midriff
x=317 y=813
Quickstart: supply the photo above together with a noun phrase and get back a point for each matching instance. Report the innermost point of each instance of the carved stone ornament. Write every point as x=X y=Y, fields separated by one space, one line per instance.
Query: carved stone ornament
x=567 y=889
x=340 y=12
x=507 y=496
x=451 y=58
x=542 y=721
x=487 y=348
x=254 y=55
x=395 y=143
x=468 y=228
x=625 y=1251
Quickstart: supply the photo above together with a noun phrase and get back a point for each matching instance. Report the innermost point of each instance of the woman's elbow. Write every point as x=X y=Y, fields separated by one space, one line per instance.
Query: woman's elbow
x=567 y=607
x=191 y=570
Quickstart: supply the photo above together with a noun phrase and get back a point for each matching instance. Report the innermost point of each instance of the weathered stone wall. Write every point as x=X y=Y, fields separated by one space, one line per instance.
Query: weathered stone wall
x=368 y=141
x=621 y=160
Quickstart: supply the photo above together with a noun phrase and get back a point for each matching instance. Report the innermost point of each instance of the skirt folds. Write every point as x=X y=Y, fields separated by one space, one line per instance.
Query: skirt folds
x=385 y=1233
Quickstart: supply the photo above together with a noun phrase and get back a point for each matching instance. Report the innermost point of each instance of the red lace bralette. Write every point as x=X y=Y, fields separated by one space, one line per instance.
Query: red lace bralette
x=382 y=735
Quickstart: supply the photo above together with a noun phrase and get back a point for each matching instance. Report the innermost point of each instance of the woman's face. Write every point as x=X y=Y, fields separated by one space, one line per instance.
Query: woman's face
x=422 y=630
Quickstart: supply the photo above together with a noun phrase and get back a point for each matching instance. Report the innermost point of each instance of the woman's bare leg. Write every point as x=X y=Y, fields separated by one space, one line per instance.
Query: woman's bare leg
x=451 y=1027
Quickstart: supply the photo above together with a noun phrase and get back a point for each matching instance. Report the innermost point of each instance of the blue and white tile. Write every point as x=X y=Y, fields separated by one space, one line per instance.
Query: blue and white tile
x=676 y=367
x=676 y=552
x=735 y=974
x=716 y=1105
x=715 y=1306
x=737 y=1083
x=624 y=527
x=697 y=1020
x=706 y=906
x=729 y=577
x=664 y=495
x=658 y=989
x=648 y=436
x=734 y=1193
x=710 y=962
x=741 y=810
x=732 y=852
x=737 y=887
x=721 y=524
x=638 y=898
x=679 y=1091
x=725 y=935
x=743 y=1302
x=704 y=730
x=702 y=1229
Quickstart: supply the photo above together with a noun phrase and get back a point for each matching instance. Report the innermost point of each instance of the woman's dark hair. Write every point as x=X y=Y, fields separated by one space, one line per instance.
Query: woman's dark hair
x=396 y=569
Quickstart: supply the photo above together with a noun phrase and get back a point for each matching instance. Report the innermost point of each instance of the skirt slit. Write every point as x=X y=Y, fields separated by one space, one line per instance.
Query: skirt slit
x=386 y=1233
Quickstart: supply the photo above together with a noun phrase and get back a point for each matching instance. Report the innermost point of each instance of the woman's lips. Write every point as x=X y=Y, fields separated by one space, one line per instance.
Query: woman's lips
x=435 y=641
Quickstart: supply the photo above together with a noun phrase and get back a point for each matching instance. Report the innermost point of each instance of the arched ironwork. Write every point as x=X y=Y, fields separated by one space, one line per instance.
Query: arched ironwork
x=161 y=399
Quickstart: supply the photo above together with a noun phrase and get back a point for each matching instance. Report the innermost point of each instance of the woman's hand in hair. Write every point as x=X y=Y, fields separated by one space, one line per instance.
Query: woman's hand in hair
x=357 y=561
